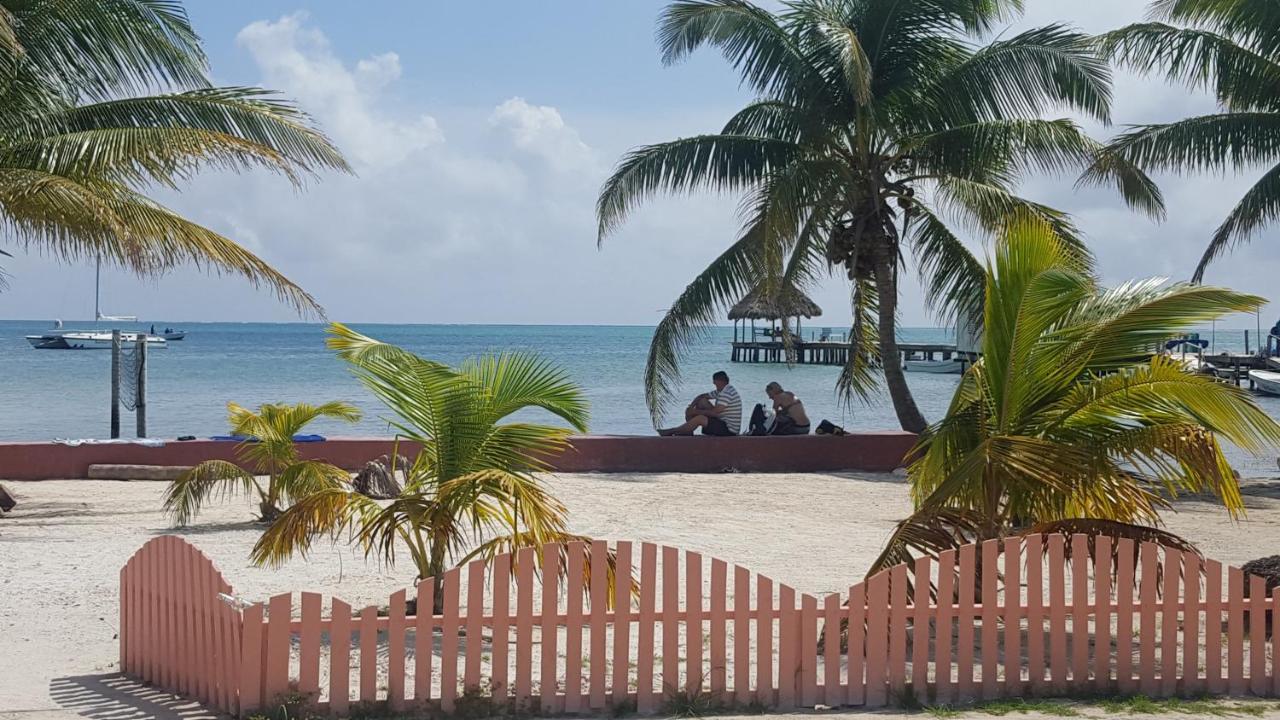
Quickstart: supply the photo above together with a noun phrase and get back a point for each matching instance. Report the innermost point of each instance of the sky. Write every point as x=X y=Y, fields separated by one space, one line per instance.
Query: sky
x=480 y=134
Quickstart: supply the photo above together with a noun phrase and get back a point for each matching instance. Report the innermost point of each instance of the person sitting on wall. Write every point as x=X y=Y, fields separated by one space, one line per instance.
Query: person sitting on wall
x=718 y=412
x=789 y=415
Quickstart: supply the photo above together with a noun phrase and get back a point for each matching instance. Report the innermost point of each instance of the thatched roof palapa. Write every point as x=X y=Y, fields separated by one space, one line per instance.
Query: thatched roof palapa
x=787 y=301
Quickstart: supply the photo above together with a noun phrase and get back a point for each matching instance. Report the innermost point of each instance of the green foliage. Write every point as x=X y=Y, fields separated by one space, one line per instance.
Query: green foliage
x=79 y=143
x=1022 y=706
x=1230 y=48
x=877 y=127
x=474 y=483
x=689 y=702
x=268 y=450
x=1063 y=426
x=1202 y=706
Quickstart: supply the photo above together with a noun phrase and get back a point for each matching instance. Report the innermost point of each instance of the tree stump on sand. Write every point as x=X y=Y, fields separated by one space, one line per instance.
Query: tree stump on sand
x=1267 y=568
x=7 y=502
x=378 y=480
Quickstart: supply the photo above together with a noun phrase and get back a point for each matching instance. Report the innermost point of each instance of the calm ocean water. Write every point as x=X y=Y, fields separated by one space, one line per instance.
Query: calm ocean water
x=64 y=394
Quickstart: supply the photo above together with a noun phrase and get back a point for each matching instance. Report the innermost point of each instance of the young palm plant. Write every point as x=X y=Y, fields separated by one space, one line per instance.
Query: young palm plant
x=472 y=491
x=268 y=450
x=1230 y=48
x=1069 y=423
x=879 y=126
x=80 y=140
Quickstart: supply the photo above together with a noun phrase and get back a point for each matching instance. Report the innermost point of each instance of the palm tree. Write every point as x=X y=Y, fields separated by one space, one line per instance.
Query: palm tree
x=878 y=123
x=80 y=141
x=1232 y=49
x=1069 y=423
x=472 y=491
x=268 y=449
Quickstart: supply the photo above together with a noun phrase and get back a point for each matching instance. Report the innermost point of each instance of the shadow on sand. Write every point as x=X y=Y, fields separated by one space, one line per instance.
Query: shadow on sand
x=116 y=697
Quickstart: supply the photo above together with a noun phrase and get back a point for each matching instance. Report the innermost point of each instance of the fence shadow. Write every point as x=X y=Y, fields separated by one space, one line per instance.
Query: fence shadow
x=116 y=697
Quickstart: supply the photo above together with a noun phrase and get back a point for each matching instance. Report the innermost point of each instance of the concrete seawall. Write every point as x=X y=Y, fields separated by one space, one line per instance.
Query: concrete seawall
x=870 y=451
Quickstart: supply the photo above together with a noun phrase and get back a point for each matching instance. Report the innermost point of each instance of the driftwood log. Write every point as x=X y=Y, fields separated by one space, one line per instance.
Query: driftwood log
x=378 y=478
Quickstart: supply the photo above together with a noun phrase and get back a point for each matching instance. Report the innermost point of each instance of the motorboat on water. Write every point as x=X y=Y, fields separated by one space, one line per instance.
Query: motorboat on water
x=90 y=340
x=941 y=367
x=1265 y=381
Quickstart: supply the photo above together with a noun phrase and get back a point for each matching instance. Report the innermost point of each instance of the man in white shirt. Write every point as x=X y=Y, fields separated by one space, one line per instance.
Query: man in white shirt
x=718 y=412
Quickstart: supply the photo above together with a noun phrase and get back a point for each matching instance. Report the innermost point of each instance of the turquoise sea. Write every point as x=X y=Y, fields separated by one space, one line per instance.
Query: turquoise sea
x=64 y=394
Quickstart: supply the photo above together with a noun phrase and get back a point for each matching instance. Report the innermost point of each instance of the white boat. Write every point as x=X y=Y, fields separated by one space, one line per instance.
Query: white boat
x=942 y=367
x=173 y=334
x=1265 y=381
x=1194 y=363
x=90 y=340
x=59 y=339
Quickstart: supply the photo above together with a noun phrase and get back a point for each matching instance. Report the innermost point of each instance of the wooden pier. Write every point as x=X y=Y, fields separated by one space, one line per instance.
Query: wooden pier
x=825 y=352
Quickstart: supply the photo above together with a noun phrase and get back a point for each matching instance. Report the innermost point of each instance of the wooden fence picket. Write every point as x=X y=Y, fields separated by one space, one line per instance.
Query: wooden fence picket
x=396 y=626
x=339 y=657
x=990 y=629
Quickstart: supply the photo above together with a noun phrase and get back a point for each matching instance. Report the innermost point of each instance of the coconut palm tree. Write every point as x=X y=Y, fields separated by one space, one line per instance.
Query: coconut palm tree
x=1068 y=422
x=472 y=491
x=1230 y=48
x=879 y=125
x=83 y=134
x=268 y=450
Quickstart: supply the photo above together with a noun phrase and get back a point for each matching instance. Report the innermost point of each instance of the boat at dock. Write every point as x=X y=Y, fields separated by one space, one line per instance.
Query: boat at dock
x=90 y=340
x=939 y=367
x=1265 y=381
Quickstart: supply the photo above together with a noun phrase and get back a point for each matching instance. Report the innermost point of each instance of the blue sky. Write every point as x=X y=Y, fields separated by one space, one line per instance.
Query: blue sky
x=481 y=132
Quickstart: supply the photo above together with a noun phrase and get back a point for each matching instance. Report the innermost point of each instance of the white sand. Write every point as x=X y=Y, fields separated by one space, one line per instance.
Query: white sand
x=61 y=552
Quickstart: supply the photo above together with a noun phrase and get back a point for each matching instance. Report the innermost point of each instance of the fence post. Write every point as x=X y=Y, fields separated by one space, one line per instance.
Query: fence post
x=115 y=384
x=140 y=406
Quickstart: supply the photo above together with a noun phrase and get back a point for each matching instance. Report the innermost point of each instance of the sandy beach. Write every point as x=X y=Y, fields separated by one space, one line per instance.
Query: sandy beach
x=63 y=549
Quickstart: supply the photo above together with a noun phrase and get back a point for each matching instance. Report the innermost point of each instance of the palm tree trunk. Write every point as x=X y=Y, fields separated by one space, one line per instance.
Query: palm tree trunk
x=904 y=404
x=438 y=549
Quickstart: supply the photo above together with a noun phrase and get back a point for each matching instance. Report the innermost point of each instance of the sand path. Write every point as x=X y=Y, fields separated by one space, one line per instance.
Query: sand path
x=61 y=553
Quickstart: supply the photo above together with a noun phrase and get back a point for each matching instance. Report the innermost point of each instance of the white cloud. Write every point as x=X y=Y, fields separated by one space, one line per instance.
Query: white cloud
x=540 y=130
x=297 y=57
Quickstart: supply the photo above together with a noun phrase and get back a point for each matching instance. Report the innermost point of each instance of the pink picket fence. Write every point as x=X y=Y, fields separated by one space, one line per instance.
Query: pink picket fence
x=544 y=632
x=177 y=630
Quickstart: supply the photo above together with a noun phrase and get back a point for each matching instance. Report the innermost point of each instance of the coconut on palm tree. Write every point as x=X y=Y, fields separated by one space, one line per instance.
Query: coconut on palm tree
x=473 y=489
x=1069 y=423
x=83 y=134
x=1230 y=48
x=268 y=449
x=879 y=126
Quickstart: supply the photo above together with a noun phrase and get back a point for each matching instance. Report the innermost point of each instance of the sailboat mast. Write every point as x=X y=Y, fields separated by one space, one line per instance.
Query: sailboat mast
x=97 y=282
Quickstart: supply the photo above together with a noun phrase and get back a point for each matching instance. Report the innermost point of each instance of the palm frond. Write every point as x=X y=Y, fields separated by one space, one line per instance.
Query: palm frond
x=724 y=281
x=1024 y=76
x=1225 y=141
x=1259 y=207
x=100 y=48
x=1240 y=78
x=761 y=50
x=327 y=511
x=193 y=488
x=713 y=162
x=954 y=279
x=515 y=381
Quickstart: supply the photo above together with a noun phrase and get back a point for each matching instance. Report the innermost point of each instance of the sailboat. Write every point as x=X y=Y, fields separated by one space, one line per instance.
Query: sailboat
x=59 y=339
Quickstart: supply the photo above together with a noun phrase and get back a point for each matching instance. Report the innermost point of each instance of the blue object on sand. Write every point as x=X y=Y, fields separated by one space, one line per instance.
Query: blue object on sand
x=244 y=438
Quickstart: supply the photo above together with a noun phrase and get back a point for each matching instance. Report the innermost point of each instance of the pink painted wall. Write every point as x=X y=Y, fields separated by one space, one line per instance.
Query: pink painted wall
x=872 y=451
